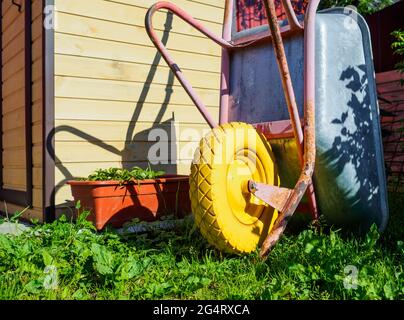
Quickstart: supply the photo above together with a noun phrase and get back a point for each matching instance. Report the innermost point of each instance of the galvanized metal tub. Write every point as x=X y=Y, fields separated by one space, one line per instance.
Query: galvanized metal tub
x=349 y=178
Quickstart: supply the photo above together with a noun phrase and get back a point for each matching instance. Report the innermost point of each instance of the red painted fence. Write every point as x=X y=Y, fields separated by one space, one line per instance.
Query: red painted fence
x=251 y=13
x=391 y=99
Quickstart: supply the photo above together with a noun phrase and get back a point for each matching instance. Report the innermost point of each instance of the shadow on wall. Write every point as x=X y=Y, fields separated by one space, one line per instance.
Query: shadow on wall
x=131 y=149
x=353 y=149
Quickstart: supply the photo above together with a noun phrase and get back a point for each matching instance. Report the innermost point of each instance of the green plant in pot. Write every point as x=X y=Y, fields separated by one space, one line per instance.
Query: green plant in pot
x=115 y=196
x=124 y=175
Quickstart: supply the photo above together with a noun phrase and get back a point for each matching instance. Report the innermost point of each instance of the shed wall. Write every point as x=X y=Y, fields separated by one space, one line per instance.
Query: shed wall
x=13 y=106
x=13 y=98
x=111 y=86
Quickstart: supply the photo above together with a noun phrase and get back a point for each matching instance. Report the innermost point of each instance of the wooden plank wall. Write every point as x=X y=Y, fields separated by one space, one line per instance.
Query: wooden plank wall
x=391 y=97
x=14 y=171
x=13 y=99
x=37 y=103
x=112 y=87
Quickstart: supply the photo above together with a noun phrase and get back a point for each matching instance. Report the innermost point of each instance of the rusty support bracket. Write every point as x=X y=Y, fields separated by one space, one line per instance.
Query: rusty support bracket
x=276 y=197
x=304 y=182
x=284 y=216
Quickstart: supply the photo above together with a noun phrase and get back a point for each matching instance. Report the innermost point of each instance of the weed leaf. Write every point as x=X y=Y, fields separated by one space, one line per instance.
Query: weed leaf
x=104 y=261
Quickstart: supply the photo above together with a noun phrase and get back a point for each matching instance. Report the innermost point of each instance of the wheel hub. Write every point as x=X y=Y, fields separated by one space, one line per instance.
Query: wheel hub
x=245 y=167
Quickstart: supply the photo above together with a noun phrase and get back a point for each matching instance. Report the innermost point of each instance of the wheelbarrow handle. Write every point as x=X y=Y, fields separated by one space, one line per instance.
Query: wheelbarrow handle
x=167 y=57
x=291 y=15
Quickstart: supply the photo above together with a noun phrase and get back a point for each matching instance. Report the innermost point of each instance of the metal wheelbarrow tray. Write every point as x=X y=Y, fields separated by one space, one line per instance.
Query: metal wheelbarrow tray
x=334 y=155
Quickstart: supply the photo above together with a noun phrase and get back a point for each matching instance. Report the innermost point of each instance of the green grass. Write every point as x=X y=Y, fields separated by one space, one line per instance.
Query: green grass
x=179 y=264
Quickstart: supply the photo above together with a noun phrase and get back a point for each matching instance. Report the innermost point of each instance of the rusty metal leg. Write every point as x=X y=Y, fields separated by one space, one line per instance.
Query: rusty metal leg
x=312 y=202
x=309 y=80
x=307 y=156
x=303 y=183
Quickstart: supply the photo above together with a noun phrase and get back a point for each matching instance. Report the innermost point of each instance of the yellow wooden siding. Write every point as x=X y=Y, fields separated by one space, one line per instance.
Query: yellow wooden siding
x=37 y=106
x=13 y=73
x=14 y=173
x=112 y=88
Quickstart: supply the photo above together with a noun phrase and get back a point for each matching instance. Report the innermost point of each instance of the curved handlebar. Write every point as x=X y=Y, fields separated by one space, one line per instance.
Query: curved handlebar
x=291 y=15
x=184 y=16
x=167 y=57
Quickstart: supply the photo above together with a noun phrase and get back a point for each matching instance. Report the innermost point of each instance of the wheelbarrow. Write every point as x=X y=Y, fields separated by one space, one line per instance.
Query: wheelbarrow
x=298 y=128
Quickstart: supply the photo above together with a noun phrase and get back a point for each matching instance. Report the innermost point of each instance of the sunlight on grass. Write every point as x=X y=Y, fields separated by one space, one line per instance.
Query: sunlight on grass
x=72 y=261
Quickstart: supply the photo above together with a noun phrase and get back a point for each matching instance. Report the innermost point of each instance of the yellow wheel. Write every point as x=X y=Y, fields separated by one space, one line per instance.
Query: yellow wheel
x=228 y=216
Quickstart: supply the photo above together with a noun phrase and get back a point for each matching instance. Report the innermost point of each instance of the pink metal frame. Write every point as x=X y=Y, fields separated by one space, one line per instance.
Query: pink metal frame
x=285 y=200
x=225 y=44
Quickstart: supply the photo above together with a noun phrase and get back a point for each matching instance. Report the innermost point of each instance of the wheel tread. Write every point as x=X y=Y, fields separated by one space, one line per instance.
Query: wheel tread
x=202 y=200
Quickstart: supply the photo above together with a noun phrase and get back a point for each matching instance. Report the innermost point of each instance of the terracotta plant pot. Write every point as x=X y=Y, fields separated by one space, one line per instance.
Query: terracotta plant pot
x=148 y=200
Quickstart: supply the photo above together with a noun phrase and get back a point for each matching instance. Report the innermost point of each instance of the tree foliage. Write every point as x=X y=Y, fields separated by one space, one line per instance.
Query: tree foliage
x=398 y=46
x=364 y=6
